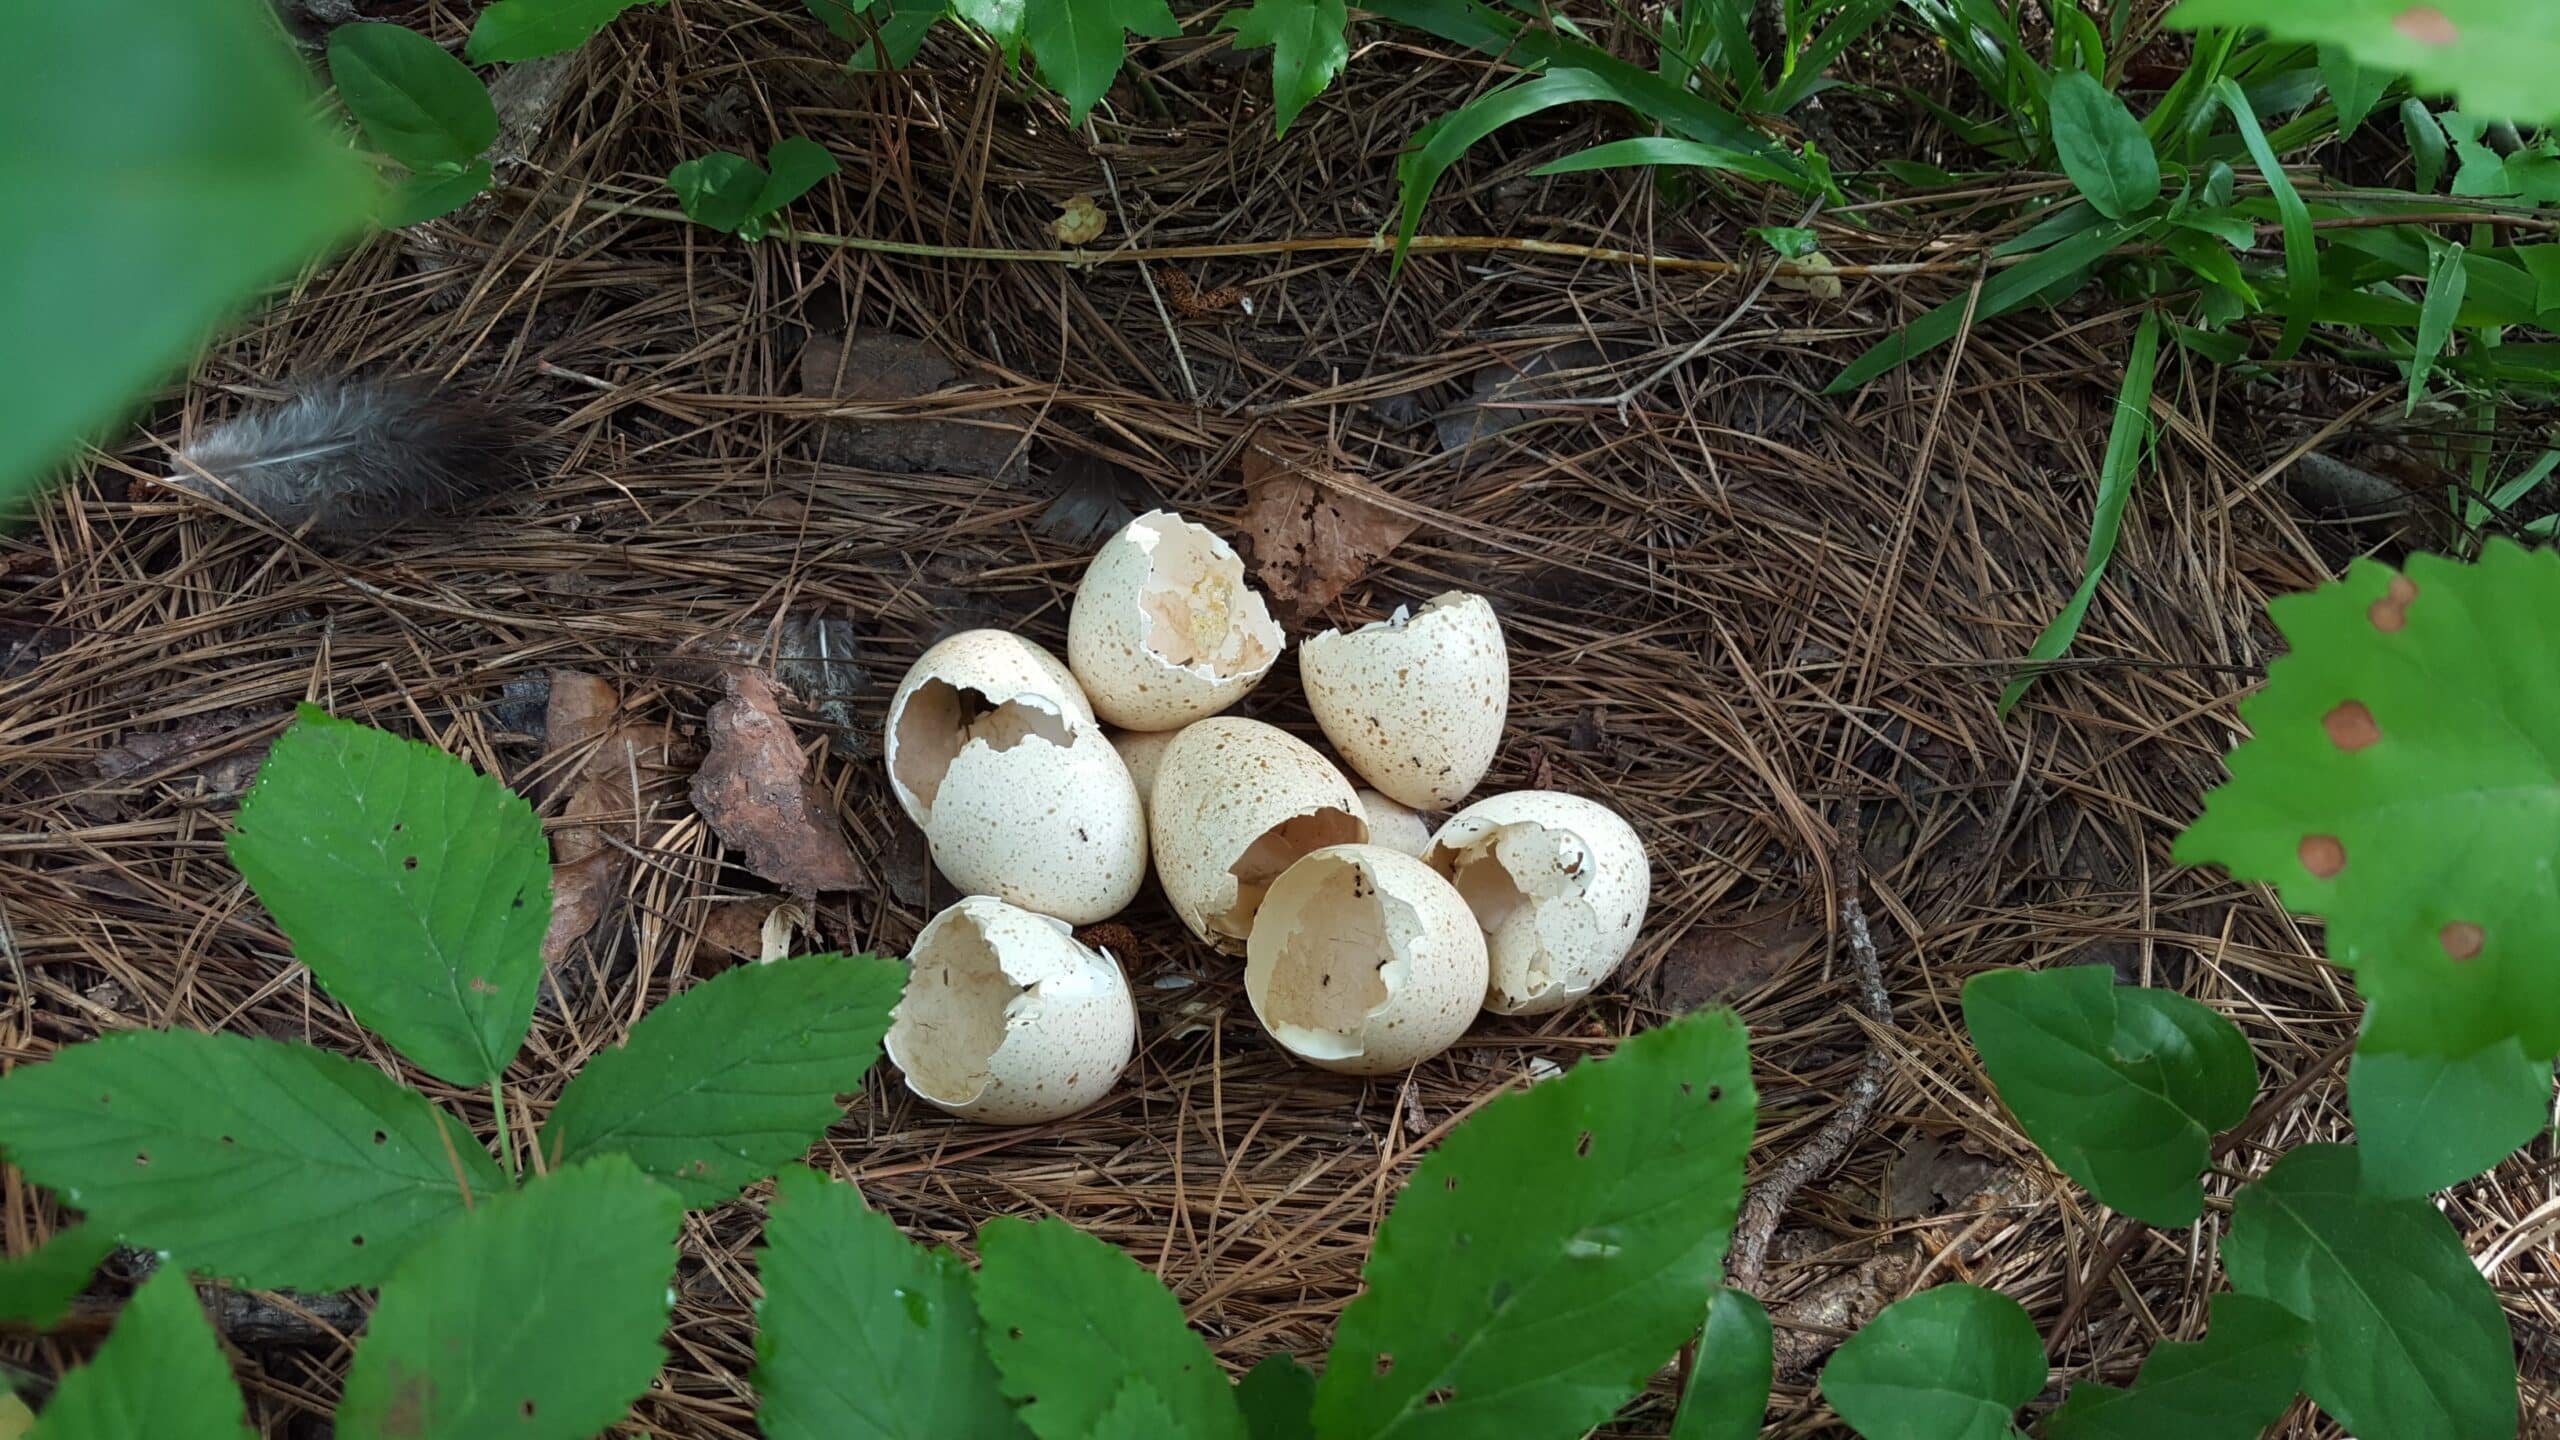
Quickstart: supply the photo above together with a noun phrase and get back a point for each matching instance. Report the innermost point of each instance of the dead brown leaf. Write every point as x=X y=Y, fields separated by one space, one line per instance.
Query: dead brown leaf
x=1315 y=532
x=214 y=755
x=732 y=930
x=753 y=788
x=621 y=774
x=1710 y=963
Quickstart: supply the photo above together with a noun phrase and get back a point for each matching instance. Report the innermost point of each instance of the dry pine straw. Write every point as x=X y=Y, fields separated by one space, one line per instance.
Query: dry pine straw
x=1752 y=619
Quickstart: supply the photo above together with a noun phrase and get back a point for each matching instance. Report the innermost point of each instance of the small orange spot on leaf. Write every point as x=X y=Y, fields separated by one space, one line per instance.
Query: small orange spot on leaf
x=2390 y=614
x=2323 y=856
x=2427 y=25
x=2351 y=726
x=2461 y=940
x=481 y=986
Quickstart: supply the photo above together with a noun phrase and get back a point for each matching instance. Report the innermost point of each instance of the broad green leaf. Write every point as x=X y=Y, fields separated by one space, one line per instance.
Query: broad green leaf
x=1307 y=49
x=2231 y=1385
x=2355 y=89
x=2301 y=243
x=2446 y=278
x=843 y=18
x=718 y=190
x=434 y=194
x=736 y=1076
x=162 y=1374
x=903 y=27
x=1791 y=242
x=268 y=1163
x=529 y=29
x=2005 y=291
x=2403 y=779
x=166 y=162
x=1483 y=1314
x=1136 y=1413
x=2406 y=1338
x=1663 y=150
x=1000 y=19
x=1728 y=1394
x=1278 y=1398
x=1079 y=45
x=863 y=1334
x=1070 y=1319
x=797 y=163
x=535 y=1317
x=1953 y=1362
x=17 y=1422
x=37 y=1289
x=415 y=888
x=2542 y=262
x=416 y=104
x=2426 y=143
x=2424 y=1122
x=2102 y=146
x=2497 y=55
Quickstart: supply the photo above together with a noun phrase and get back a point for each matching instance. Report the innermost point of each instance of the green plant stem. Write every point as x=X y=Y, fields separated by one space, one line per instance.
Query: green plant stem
x=506 y=1140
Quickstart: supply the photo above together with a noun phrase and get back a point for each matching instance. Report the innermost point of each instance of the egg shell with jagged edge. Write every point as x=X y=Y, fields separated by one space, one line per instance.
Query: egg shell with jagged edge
x=1164 y=629
x=1364 y=960
x=1236 y=803
x=1414 y=703
x=1008 y=1018
x=1559 y=884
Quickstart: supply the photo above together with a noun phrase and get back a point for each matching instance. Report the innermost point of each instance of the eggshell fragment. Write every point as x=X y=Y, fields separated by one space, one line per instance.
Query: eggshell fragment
x=993 y=750
x=1165 y=630
x=1414 y=703
x=1008 y=1018
x=1365 y=961
x=1559 y=884
x=1397 y=827
x=1142 y=751
x=1236 y=803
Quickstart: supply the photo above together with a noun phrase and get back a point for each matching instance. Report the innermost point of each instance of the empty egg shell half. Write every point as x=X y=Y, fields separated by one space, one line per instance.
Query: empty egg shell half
x=1008 y=1018
x=1400 y=828
x=1165 y=630
x=993 y=750
x=1237 y=802
x=1415 y=703
x=1365 y=961
x=1558 y=883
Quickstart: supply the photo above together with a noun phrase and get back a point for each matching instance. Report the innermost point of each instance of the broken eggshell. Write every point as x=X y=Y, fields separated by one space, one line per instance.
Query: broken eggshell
x=1364 y=960
x=1415 y=703
x=1142 y=751
x=1165 y=630
x=1236 y=803
x=993 y=750
x=1008 y=1018
x=1398 y=827
x=1559 y=884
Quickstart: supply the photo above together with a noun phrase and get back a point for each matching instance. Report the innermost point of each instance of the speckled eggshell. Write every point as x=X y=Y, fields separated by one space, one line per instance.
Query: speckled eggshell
x=1165 y=630
x=1364 y=960
x=1398 y=827
x=1558 y=883
x=999 y=666
x=1236 y=803
x=1142 y=751
x=1414 y=703
x=1008 y=1018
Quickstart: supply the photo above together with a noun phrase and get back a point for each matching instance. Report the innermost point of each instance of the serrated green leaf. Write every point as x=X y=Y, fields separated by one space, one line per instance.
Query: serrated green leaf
x=529 y=29
x=1136 y=1413
x=2446 y=279
x=2102 y=147
x=161 y=1374
x=415 y=888
x=268 y=1163
x=1636 y=1162
x=718 y=190
x=865 y=1335
x=535 y=1317
x=435 y=194
x=1278 y=1398
x=1953 y=1362
x=2355 y=89
x=738 y=1075
x=797 y=163
x=1728 y=1394
x=2406 y=1338
x=1070 y=1318
x=2231 y=1385
x=2498 y=56
x=2401 y=784
x=1307 y=49
x=415 y=103
x=37 y=1289
x=2424 y=1122
x=1079 y=45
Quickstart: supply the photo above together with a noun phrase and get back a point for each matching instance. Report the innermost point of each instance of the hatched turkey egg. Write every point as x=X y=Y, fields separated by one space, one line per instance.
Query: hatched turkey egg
x=1008 y=1018
x=1414 y=703
x=1236 y=803
x=1558 y=883
x=1142 y=751
x=1364 y=960
x=1165 y=630
x=993 y=750
x=1398 y=827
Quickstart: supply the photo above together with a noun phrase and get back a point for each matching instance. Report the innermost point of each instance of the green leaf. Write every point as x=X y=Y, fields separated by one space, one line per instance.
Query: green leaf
x=161 y=1374
x=797 y=163
x=2353 y=88
x=1728 y=1394
x=535 y=1317
x=1307 y=49
x=2426 y=143
x=2445 y=280
x=2005 y=291
x=738 y=1075
x=1791 y=242
x=530 y=29
x=843 y=18
x=2542 y=262
x=1136 y=1413
x=903 y=27
x=2102 y=146
x=36 y=1290
x=1953 y=1362
x=2403 y=785
x=864 y=1335
x=268 y=1163
x=416 y=104
x=2424 y=1122
x=415 y=888
x=1070 y=1318
x=2406 y=1338
x=434 y=194
x=1636 y=1162
x=718 y=190
x=2497 y=55
x=1278 y=1398
x=1664 y=150
x=2301 y=243
x=2128 y=436
x=2231 y=1385
x=1079 y=45
x=165 y=162
x=1437 y=146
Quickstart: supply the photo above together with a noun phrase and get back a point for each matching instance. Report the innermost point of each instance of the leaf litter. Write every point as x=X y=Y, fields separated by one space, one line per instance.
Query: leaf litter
x=753 y=789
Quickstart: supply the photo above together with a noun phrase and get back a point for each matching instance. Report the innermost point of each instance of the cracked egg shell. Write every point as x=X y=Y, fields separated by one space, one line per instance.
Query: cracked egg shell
x=1398 y=827
x=1142 y=751
x=1165 y=630
x=1364 y=960
x=1415 y=703
x=993 y=750
x=1558 y=883
x=1008 y=1018
x=1236 y=803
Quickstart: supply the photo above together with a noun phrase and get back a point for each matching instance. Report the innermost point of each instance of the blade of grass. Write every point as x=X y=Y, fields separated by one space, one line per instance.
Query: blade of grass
x=2301 y=245
x=2445 y=284
x=2001 y=294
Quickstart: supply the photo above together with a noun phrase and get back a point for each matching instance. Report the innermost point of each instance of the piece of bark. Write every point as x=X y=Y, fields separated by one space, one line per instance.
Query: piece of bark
x=879 y=368
x=753 y=789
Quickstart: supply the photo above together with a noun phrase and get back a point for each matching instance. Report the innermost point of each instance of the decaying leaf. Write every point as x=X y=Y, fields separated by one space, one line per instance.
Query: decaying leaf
x=754 y=790
x=615 y=772
x=731 y=931
x=1709 y=963
x=213 y=756
x=1079 y=222
x=1314 y=532
x=880 y=368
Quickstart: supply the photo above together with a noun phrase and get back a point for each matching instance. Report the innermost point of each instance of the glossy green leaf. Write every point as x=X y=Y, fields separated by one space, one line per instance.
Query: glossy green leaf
x=434 y=194
x=2231 y=1385
x=2497 y=55
x=2102 y=146
x=268 y=1163
x=1080 y=44
x=161 y=1375
x=796 y=163
x=2004 y=291
x=1636 y=1165
x=1953 y=1362
x=1071 y=1319
x=528 y=29
x=2446 y=279
x=2424 y=1122
x=1662 y=150
x=863 y=1334
x=415 y=888
x=415 y=103
x=37 y=1289
x=1278 y=1398
x=2426 y=143
x=1728 y=1392
x=534 y=1317
x=1136 y=1413
x=2301 y=243
x=2355 y=89
x=718 y=190
x=1307 y=47
x=2406 y=1338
